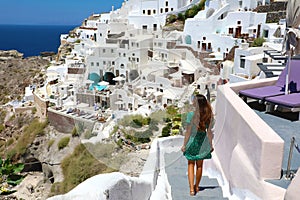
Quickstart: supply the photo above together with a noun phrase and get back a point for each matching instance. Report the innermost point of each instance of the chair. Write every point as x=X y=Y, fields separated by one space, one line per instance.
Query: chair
x=262 y=93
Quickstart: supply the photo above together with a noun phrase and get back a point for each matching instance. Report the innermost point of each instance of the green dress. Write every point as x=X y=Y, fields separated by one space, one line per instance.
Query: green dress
x=198 y=146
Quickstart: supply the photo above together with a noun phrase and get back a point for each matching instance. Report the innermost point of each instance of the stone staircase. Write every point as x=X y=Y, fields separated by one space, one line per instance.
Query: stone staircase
x=176 y=170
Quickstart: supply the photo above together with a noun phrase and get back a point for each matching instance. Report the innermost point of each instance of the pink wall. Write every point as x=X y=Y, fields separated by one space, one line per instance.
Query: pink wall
x=247 y=149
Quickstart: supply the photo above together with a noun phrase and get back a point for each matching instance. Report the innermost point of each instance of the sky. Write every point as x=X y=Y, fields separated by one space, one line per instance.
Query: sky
x=52 y=12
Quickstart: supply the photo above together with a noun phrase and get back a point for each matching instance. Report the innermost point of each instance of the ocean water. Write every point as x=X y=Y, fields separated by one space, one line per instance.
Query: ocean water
x=32 y=39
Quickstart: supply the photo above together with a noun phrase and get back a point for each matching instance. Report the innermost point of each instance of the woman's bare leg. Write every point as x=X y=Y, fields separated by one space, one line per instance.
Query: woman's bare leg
x=199 y=165
x=191 y=166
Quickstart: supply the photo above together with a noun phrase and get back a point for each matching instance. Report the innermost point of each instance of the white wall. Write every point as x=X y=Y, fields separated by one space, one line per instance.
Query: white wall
x=247 y=149
x=140 y=21
x=293 y=192
x=116 y=185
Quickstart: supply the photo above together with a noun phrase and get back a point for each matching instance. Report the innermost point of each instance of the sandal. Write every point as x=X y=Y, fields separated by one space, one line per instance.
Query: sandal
x=196 y=189
x=192 y=193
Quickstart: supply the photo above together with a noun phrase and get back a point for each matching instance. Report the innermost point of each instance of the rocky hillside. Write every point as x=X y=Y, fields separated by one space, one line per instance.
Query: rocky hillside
x=276 y=11
x=17 y=72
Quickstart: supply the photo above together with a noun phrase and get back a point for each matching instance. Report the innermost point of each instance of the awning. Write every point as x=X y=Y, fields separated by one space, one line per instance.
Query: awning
x=119 y=102
x=188 y=72
x=158 y=93
x=254 y=57
x=186 y=66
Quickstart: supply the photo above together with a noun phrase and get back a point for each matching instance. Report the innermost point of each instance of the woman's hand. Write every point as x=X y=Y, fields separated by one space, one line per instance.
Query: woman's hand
x=183 y=148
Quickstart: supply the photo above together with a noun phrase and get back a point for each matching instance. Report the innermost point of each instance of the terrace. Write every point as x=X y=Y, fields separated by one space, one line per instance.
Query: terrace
x=266 y=127
x=252 y=148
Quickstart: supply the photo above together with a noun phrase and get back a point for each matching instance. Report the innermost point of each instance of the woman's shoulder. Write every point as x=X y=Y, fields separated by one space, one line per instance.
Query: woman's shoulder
x=189 y=117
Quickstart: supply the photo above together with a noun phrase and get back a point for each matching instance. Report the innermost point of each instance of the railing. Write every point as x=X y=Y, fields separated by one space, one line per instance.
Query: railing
x=290 y=174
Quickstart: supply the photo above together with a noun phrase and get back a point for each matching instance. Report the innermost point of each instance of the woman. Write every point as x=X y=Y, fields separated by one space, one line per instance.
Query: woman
x=197 y=144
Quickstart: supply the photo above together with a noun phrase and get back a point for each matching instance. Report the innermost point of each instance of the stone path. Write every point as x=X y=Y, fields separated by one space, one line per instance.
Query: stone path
x=177 y=177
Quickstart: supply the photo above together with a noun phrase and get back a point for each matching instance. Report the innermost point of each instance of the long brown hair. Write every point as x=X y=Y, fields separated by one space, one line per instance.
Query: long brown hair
x=205 y=111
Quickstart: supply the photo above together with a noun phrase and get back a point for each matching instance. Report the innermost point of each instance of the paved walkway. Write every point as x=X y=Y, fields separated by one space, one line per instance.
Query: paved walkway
x=177 y=177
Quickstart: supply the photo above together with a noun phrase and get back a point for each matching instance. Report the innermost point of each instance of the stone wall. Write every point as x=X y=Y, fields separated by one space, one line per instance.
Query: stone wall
x=66 y=122
x=41 y=106
x=61 y=123
x=276 y=11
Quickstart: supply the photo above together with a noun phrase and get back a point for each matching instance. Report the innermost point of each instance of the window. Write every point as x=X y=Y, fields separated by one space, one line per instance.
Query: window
x=166 y=9
x=167 y=3
x=97 y=64
x=103 y=50
x=137 y=44
x=100 y=34
x=92 y=64
x=265 y=33
x=154 y=11
x=113 y=62
x=124 y=54
x=161 y=10
x=144 y=27
x=144 y=11
x=242 y=62
x=172 y=9
x=137 y=60
x=149 y=12
x=104 y=62
x=112 y=51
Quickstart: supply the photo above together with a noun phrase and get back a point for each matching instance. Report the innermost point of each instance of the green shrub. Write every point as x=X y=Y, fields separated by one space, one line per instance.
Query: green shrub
x=136 y=123
x=2 y=127
x=63 y=142
x=191 y=12
x=120 y=143
x=142 y=137
x=75 y=133
x=76 y=168
x=147 y=121
x=201 y=5
x=88 y=134
x=175 y=131
x=166 y=131
x=10 y=141
x=10 y=174
x=180 y=17
x=50 y=143
x=115 y=129
x=35 y=128
x=171 y=18
x=153 y=127
x=33 y=110
x=258 y=42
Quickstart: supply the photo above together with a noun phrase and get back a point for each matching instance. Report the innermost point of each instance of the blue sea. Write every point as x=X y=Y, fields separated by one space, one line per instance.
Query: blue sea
x=32 y=39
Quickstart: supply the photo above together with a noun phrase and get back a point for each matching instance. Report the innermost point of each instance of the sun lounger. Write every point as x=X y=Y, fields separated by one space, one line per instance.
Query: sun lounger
x=262 y=93
x=289 y=102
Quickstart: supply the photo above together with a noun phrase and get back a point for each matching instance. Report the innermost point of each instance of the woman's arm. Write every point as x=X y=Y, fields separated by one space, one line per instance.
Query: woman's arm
x=186 y=137
x=210 y=134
